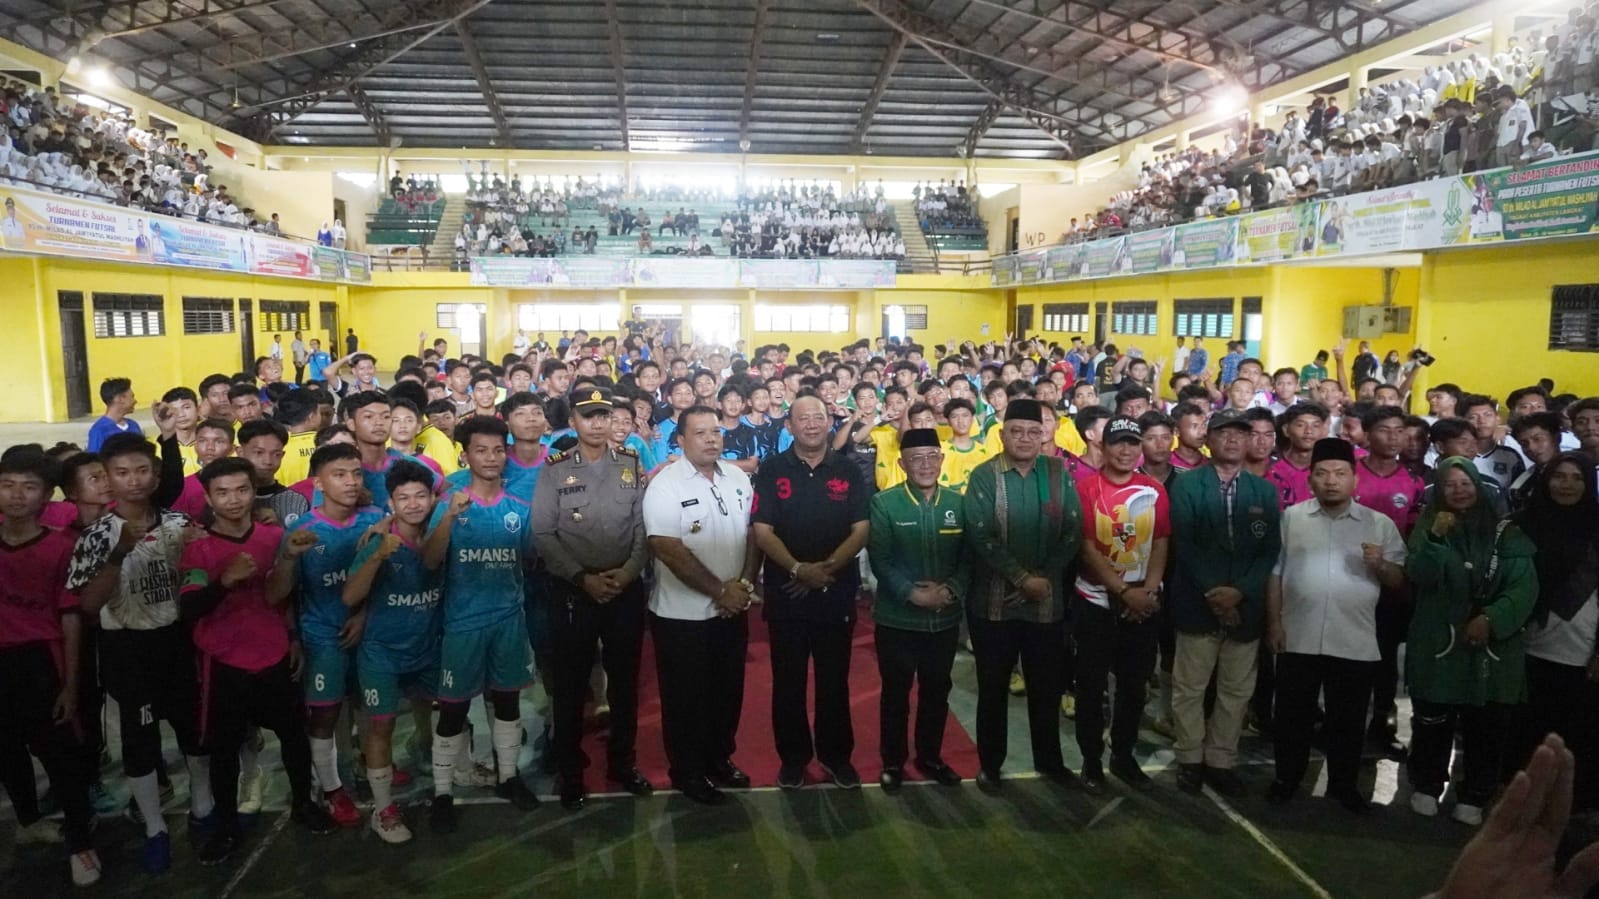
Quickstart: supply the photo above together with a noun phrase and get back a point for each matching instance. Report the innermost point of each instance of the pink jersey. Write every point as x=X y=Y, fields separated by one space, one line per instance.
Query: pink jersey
x=1081 y=471
x=59 y=515
x=1181 y=464
x=191 y=501
x=1291 y=481
x=33 y=588
x=1396 y=495
x=244 y=630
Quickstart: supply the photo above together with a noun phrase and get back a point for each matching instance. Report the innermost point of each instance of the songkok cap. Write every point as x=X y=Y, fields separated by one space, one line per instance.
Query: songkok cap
x=1332 y=449
x=1024 y=409
x=918 y=437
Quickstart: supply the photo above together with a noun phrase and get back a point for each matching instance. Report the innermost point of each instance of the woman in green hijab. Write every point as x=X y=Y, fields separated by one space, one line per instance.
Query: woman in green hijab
x=1475 y=586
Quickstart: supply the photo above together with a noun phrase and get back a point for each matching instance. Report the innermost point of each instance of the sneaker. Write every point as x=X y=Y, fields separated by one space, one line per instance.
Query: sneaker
x=515 y=790
x=313 y=817
x=156 y=856
x=85 y=867
x=1068 y=706
x=1467 y=814
x=42 y=832
x=1018 y=684
x=341 y=807
x=1424 y=805
x=251 y=783
x=479 y=775
x=390 y=827
x=843 y=776
x=791 y=777
x=218 y=848
x=441 y=815
x=1129 y=772
x=402 y=777
x=103 y=800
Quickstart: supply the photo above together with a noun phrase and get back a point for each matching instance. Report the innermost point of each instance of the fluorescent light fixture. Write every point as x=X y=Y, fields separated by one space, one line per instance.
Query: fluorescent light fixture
x=99 y=77
x=1230 y=100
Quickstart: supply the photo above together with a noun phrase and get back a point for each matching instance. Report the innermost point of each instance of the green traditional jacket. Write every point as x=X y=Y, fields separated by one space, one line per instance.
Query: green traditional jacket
x=1207 y=553
x=1017 y=527
x=914 y=538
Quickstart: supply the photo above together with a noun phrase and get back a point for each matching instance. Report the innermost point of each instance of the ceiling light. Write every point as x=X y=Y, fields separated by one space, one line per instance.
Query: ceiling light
x=99 y=77
x=827 y=36
x=1230 y=100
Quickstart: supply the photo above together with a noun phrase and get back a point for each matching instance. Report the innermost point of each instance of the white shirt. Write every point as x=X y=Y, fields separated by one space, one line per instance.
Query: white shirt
x=1329 y=595
x=1518 y=118
x=1566 y=642
x=680 y=503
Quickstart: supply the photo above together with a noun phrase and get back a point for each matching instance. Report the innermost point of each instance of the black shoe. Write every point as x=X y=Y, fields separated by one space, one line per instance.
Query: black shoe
x=633 y=781
x=1128 y=771
x=517 y=791
x=728 y=776
x=1093 y=777
x=1280 y=792
x=1225 y=781
x=1190 y=777
x=218 y=848
x=843 y=776
x=1062 y=776
x=701 y=790
x=791 y=777
x=938 y=772
x=441 y=816
x=988 y=781
x=573 y=796
x=313 y=817
x=1385 y=743
x=891 y=780
x=1351 y=800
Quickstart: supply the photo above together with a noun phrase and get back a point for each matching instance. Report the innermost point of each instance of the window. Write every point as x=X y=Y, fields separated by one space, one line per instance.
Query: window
x=915 y=318
x=1133 y=317
x=202 y=315
x=822 y=319
x=128 y=315
x=1203 y=318
x=449 y=316
x=553 y=318
x=284 y=315
x=716 y=325
x=1574 y=318
x=1066 y=317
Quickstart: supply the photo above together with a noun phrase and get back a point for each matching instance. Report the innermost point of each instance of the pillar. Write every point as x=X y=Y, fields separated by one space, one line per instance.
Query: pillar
x=1183 y=139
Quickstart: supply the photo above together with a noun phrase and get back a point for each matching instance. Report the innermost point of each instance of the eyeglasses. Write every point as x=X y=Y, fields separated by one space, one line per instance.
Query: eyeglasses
x=721 y=505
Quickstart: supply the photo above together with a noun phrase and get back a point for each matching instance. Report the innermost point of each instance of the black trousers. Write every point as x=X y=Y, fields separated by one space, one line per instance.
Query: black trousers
x=1432 y=737
x=151 y=676
x=576 y=624
x=29 y=684
x=1393 y=623
x=91 y=700
x=299 y=372
x=700 y=668
x=1561 y=700
x=796 y=645
x=1301 y=680
x=1041 y=647
x=1107 y=642
x=927 y=659
x=232 y=701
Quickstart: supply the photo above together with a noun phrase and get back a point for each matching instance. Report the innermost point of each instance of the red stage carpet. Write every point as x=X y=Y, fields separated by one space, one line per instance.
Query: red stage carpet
x=757 y=754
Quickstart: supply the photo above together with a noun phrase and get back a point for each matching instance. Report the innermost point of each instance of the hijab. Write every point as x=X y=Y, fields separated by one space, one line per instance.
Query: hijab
x=1567 y=538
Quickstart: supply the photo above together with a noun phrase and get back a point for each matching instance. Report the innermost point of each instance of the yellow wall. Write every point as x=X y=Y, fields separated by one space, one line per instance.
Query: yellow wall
x=1485 y=316
x=1304 y=311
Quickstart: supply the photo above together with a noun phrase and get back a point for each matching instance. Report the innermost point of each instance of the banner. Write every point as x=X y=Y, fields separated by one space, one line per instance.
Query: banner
x=276 y=256
x=511 y=271
x=1204 y=244
x=1059 y=262
x=594 y=271
x=1548 y=199
x=174 y=241
x=666 y=271
x=1273 y=235
x=1030 y=268
x=1147 y=252
x=1004 y=271
x=358 y=267
x=1102 y=258
x=857 y=273
x=328 y=262
x=777 y=274
x=45 y=223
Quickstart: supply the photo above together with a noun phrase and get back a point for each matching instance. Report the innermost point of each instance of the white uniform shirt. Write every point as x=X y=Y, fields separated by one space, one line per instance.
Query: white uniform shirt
x=1329 y=595
x=712 y=520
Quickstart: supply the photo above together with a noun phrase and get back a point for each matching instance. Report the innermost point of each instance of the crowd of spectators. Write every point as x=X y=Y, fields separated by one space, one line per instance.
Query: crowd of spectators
x=1477 y=112
x=810 y=221
x=60 y=144
x=947 y=207
x=413 y=194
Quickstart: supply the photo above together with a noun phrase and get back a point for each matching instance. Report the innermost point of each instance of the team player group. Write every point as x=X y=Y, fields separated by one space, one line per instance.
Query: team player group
x=313 y=562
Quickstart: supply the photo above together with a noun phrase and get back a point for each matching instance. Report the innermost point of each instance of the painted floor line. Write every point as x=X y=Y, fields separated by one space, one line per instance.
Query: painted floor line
x=254 y=856
x=1266 y=843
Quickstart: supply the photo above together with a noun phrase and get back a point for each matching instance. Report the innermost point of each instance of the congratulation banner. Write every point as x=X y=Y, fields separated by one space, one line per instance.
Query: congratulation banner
x=1205 y=244
x=276 y=256
x=1147 y=252
x=45 y=223
x=1549 y=199
x=594 y=271
x=667 y=271
x=856 y=273
x=175 y=241
x=777 y=274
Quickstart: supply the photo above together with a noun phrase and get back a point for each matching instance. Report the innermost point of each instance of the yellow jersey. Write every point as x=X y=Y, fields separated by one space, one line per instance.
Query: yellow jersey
x=431 y=442
x=959 y=463
x=889 y=473
x=297 y=452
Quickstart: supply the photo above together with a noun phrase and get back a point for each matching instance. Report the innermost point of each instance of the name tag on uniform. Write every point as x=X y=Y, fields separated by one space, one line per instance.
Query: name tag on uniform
x=690 y=502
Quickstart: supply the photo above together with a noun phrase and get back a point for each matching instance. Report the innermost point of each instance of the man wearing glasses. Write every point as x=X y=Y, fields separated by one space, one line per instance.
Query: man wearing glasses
x=697 y=517
x=811 y=521
x=918 y=552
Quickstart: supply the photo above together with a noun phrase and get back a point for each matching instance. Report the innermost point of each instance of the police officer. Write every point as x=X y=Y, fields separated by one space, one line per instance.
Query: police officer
x=588 y=524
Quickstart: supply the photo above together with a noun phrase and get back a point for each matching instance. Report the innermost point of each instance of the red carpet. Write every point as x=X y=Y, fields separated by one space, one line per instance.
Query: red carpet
x=757 y=752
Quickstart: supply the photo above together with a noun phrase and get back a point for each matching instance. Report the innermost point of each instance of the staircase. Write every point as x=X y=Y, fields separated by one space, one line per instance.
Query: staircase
x=443 y=244
x=916 y=249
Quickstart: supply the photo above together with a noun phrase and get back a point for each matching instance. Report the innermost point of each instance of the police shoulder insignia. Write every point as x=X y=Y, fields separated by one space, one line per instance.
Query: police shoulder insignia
x=557 y=458
x=628 y=451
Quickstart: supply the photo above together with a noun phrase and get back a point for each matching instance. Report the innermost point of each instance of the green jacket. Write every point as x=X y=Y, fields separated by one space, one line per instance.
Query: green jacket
x=1206 y=556
x=917 y=539
x=1482 y=567
x=1017 y=527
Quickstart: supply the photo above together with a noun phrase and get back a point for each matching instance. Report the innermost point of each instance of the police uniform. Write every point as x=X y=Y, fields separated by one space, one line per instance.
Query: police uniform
x=588 y=518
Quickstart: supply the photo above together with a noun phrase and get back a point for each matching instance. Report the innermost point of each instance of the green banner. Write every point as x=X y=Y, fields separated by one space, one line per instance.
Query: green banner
x=1550 y=199
x=1205 y=244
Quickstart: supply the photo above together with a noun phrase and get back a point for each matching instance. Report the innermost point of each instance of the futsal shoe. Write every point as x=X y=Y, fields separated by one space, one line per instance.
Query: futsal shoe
x=441 y=815
x=390 y=827
x=341 y=807
x=791 y=777
x=85 y=868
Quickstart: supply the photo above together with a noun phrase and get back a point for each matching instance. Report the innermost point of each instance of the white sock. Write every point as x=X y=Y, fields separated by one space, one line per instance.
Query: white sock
x=200 y=800
x=445 y=750
x=147 y=795
x=381 y=780
x=325 y=763
x=507 y=747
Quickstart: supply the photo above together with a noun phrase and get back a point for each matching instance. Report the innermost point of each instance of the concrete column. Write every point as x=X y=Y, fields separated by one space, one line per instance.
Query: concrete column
x=1357 y=80
x=1182 y=140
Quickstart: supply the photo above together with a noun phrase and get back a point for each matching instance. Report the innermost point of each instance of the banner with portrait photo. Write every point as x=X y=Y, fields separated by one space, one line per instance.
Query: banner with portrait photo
x=1556 y=198
x=1205 y=244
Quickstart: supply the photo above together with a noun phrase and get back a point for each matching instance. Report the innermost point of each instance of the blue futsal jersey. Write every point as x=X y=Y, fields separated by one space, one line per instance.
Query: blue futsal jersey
x=324 y=569
x=402 y=618
x=490 y=548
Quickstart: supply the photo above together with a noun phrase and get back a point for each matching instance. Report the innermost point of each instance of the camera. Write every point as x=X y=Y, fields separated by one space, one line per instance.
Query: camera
x=1422 y=357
